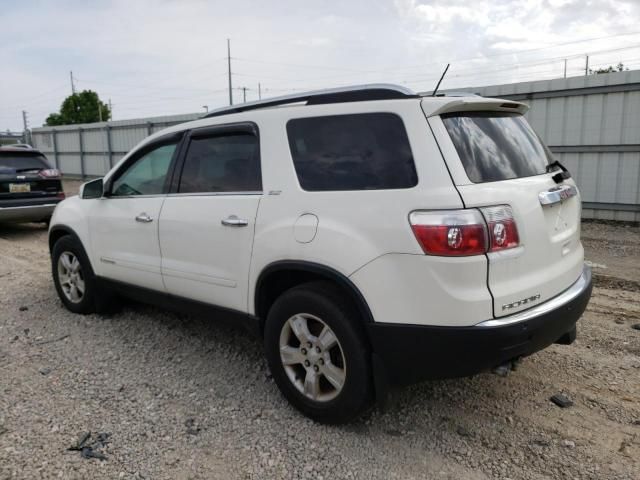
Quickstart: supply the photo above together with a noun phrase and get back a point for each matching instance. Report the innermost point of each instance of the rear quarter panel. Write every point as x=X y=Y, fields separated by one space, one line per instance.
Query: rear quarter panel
x=354 y=227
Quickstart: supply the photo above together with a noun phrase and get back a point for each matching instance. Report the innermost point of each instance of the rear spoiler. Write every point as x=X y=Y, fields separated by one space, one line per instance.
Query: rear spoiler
x=475 y=104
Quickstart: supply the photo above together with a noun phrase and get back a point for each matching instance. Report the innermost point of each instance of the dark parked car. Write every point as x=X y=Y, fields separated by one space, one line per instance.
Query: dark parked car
x=29 y=188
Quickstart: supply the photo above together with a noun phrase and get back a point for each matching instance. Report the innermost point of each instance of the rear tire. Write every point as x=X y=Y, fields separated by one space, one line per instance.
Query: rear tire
x=318 y=354
x=75 y=281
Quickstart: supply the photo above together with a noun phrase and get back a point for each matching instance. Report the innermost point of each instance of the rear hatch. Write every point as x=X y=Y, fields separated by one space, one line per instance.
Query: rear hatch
x=27 y=175
x=495 y=158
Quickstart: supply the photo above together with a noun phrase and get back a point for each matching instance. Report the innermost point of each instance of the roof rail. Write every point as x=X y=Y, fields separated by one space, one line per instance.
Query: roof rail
x=357 y=93
x=452 y=93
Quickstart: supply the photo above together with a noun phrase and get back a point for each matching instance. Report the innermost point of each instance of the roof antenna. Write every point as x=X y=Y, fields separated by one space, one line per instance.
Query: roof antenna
x=440 y=81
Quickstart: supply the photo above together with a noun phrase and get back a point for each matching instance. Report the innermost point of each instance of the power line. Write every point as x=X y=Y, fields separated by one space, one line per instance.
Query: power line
x=472 y=71
x=496 y=68
x=164 y=99
x=459 y=72
x=483 y=57
x=29 y=99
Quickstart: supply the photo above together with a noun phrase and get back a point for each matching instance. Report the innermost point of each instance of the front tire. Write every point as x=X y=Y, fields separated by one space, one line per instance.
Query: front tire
x=75 y=281
x=318 y=354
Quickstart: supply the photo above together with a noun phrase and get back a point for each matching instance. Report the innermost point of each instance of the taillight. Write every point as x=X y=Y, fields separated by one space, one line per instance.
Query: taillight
x=453 y=233
x=457 y=233
x=61 y=195
x=503 y=232
x=50 y=173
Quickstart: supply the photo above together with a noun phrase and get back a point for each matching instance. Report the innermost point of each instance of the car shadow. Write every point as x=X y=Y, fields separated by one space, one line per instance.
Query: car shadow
x=197 y=341
x=23 y=231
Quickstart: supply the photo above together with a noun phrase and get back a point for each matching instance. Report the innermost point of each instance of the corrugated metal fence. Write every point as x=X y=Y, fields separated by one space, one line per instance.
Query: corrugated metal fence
x=591 y=123
x=92 y=149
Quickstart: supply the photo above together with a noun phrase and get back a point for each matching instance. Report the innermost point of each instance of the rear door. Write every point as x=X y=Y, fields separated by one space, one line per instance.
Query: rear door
x=495 y=158
x=208 y=221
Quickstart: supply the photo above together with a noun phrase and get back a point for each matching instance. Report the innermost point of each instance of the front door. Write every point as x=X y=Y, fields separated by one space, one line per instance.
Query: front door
x=207 y=224
x=124 y=223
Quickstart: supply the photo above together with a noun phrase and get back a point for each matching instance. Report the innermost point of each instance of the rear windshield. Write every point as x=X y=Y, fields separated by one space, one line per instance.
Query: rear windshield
x=16 y=162
x=496 y=146
x=368 y=151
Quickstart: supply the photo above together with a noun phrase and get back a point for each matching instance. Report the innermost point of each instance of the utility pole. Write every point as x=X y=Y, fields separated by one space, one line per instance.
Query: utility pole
x=25 y=122
x=99 y=110
x=73 y=87
x=229 y=70
x=565 y=68
x=244 y=94
x=259 y=91
x=586 y=67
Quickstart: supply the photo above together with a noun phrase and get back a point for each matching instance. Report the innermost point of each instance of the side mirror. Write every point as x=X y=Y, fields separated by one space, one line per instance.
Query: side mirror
x=92 y=189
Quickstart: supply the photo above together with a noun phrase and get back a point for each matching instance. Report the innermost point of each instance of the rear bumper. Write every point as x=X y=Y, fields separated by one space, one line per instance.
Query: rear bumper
x=411 y=353
x=29 y=211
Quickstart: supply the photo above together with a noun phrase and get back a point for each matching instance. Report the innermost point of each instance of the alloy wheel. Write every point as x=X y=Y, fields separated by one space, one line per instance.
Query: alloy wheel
x=312 y=357
x=71 y=277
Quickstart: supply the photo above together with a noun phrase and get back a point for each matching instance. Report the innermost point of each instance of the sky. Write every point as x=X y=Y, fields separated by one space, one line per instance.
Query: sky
x=161 y=57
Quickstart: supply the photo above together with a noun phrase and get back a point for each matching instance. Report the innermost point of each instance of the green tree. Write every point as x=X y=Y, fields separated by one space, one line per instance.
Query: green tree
x=83 y=107
x=610 y=69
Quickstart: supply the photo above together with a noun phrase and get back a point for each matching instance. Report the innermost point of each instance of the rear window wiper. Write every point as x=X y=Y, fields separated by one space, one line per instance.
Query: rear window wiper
x=560 y=176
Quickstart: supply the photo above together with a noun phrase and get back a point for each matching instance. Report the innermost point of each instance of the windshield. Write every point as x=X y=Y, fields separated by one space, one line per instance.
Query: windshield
x=496 y=146
x=20 y=162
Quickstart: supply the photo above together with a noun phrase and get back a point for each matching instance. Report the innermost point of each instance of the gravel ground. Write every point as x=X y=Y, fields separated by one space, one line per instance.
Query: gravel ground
x=188 y=398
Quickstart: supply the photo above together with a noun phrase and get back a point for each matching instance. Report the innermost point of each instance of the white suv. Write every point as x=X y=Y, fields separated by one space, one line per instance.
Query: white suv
x=370 y=236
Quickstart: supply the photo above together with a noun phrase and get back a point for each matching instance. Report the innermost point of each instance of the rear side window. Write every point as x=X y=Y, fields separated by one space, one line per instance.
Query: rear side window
x=19 y=162
x=351 y=152
x=225 y=163
x=496 y=146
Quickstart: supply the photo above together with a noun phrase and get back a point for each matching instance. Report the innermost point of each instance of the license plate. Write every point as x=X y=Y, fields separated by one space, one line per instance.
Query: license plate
x=19 y=187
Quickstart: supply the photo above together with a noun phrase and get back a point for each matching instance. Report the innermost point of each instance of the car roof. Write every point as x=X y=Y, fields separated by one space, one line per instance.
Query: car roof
x=21 y=150
x=441 y=103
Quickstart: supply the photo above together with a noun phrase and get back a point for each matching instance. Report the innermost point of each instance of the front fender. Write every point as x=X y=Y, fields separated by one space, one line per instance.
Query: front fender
x=70 y=218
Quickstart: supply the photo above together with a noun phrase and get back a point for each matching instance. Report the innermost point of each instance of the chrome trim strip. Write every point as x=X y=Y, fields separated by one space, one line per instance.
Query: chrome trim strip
x=118 y=197
x=557 y=194
x=29 y=206
x=142 y=267
x=171 y=195
x=198 y=277
x=213 y=194
x=556 y=302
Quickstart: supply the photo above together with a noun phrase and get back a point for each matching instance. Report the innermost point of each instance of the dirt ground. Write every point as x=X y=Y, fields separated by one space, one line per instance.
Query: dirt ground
x=188 y=398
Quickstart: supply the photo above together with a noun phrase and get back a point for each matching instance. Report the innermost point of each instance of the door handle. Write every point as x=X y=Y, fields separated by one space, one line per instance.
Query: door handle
x=234 y=221
x=144 y=218
x=557 y=194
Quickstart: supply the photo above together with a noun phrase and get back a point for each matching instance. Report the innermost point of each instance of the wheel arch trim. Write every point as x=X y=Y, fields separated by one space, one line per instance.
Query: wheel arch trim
x=317 y=269
x=71 y=232
x=61 y=228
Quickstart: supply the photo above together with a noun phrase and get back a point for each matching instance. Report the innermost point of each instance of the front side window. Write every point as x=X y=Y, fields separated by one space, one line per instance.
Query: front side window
x=223 y=163
x=147 y=175
x=496 y=146
x=368 y=151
